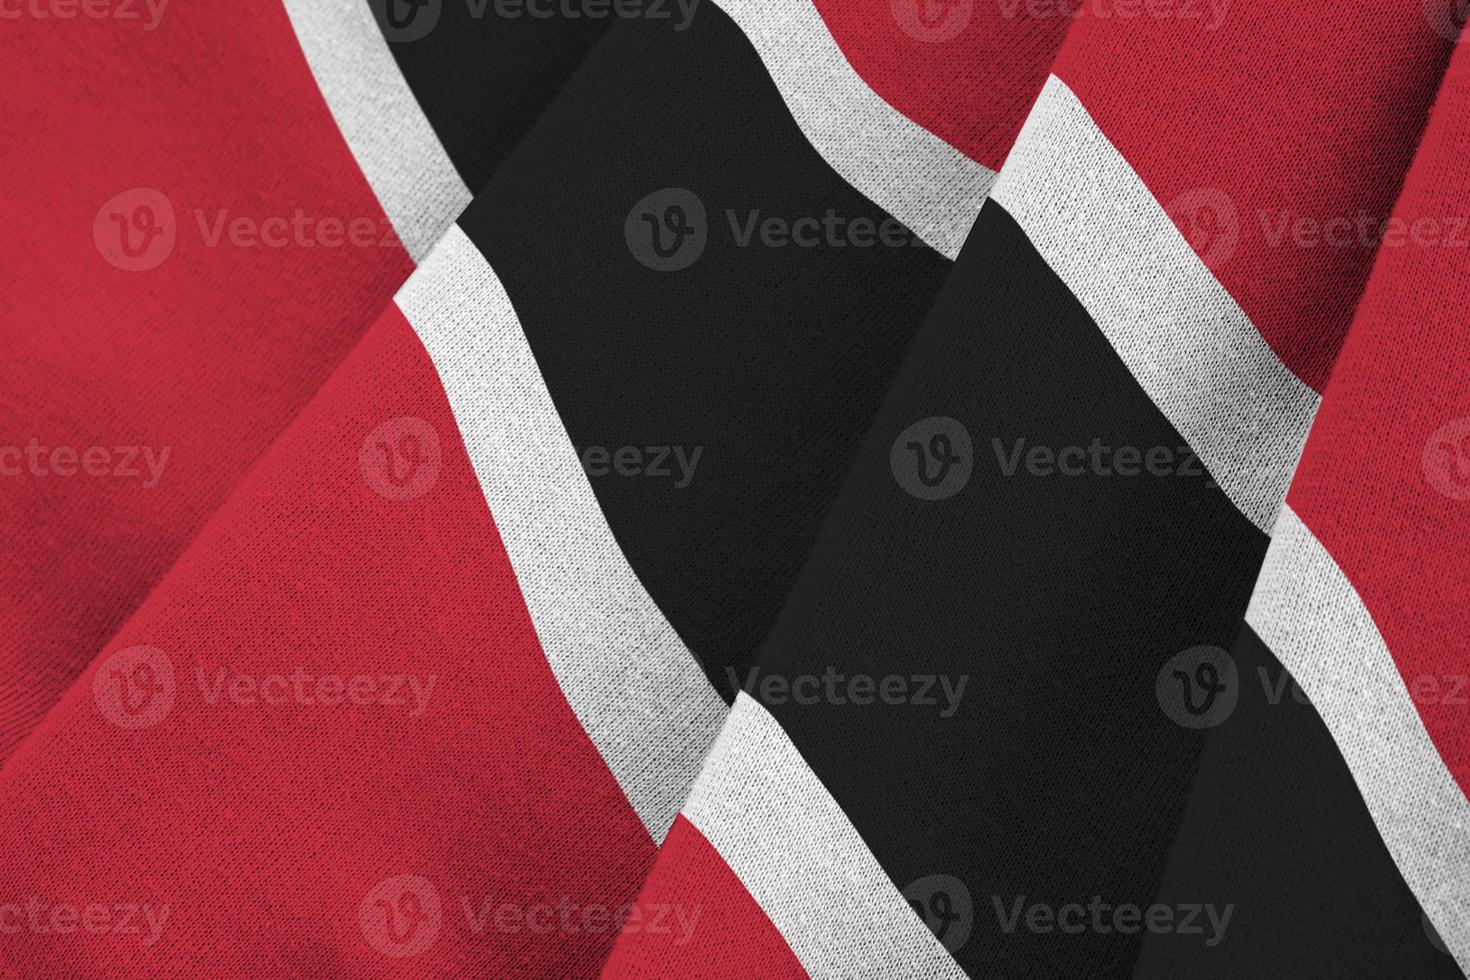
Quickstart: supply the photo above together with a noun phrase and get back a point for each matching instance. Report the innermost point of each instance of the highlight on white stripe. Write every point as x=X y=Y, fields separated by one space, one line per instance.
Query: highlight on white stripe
x=793 y=848
x=632 y=683
x=387 y=132
x=1181 y=334
x=934 y=189
x=1309 y=614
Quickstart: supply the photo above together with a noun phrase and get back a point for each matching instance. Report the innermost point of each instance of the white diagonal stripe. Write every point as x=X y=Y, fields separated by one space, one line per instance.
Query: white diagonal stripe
x=632 y=683
x=934 y=189
x=1309 y=614
x=1183 y=337
x=387 y=132
x=793 y=848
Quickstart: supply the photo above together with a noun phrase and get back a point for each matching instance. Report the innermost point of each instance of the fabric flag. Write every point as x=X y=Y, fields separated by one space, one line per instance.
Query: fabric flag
x=210 y=205
x=971 y=705
x=725 y=488
x=438 y=671
x=1351 y=720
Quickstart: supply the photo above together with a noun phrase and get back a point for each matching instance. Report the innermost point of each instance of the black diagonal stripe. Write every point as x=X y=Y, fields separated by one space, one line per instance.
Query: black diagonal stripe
x=772 y=361
x=1058 y=777
x=1277 y=828
x=483 y=78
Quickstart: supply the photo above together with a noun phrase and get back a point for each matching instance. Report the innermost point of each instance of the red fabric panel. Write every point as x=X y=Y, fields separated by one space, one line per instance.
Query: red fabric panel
x=209 y=352
x=966 y=70
x=281 y=832
x=1385 y=479
x=732 y=938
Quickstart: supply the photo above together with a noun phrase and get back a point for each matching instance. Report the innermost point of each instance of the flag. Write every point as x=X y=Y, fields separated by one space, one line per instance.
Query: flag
x=992 y=696
x=441 y=666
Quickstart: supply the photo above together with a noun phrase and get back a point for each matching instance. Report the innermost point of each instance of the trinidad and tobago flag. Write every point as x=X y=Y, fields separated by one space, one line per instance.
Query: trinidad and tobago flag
x=704 y=488
x=1001 y=694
